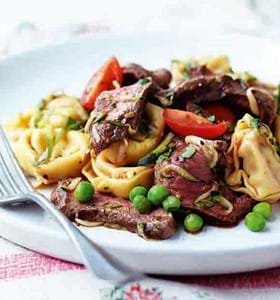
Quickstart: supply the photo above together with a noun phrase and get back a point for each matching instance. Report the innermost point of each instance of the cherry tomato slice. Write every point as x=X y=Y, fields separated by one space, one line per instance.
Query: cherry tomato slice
x=102 y=80
x=187 y=123
x=221 y=112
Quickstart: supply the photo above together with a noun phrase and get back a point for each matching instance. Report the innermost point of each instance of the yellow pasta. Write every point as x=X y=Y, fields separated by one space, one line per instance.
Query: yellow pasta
x=253 y=164
x=67 y=156
x=216 y=64
x=44 y=143
x=108 y=178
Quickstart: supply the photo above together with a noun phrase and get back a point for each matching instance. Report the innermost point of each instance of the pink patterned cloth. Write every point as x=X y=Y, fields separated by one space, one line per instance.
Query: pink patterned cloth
x=31 y=276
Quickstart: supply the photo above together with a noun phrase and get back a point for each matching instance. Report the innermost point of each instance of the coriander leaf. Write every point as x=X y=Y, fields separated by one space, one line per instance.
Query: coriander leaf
x=212 y=118
x=190 y=151
x=98 y=116
x=116 y=123
x=143 y=81
x=255 y=123
x=164 y=156
x=72 y=124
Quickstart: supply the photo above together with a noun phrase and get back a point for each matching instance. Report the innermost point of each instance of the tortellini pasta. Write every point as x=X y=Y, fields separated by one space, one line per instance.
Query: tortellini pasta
x=45 y=142
x=253 y=162
x=216 y=64
x=56 y=110
x=109 y=178
x=130 y=150
x=63 y=159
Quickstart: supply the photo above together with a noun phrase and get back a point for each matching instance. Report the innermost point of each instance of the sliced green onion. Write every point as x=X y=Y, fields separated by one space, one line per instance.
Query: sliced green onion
x=218 y=197
x=180 y=171
x=190 y=151
x=45 y=156
x=98 y=116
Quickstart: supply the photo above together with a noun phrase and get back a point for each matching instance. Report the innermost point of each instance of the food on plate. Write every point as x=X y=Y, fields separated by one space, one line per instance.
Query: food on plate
x=48 y=141
x=109 y=178
x=114 y=212
x=145 y=150
x=253 y=164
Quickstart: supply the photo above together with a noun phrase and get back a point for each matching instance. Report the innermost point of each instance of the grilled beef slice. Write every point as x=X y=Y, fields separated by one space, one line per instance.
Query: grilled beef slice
x=133 y=72
x=113 y=211
x=208 y=180
x=116 y=113
x=206 y=87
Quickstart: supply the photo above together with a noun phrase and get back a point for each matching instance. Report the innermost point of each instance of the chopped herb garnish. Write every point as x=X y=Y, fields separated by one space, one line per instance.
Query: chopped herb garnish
x=164 y=156
x=116 y=123
x=246 y=76
x=37 y=118
x=143 y=81
x=140 y=228
x=230 y=127
x=255 y=123
x=98 y=116
x=186 y=75
x=114 y=105
x=45 y=156
x=214 y=194
x=43 y=104
x=72 y=124
x=212 y=118
x=114 y=206
x=190 y=151
x=205 y=203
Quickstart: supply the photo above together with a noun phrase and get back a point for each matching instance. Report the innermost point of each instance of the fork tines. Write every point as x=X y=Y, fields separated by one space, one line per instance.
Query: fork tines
x=12 y=179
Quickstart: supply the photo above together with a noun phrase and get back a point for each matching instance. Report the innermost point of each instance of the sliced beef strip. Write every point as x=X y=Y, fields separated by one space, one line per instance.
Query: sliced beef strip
x=189 y=191
x=121 y=110
x=113 y=211
x=209 y=88
x=133 y=72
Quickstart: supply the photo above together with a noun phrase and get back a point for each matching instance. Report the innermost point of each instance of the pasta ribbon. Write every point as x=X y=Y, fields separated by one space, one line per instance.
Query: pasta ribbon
x=109 y=178
x=66 y=158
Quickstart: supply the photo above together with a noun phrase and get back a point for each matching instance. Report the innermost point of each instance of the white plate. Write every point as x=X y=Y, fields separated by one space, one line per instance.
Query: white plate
x=26 y=78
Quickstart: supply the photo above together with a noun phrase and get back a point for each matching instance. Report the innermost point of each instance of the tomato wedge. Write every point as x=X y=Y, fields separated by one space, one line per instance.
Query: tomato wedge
x=187 y=123
x=102 y=80
x=221 y=112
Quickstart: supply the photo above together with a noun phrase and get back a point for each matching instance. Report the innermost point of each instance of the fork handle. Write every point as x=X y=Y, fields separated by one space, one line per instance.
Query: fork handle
x=94 y=257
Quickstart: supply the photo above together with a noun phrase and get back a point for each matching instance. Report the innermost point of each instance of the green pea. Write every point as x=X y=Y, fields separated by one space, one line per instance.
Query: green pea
x=255 y=221
x=157 y=194
x=84 y=192
x=193 y=223
x=171 y=202
x=137 y=190
x=264 y=209
x=142 y=204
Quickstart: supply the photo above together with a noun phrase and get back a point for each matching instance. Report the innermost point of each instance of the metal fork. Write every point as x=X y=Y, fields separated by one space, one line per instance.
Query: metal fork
x=15 y=188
